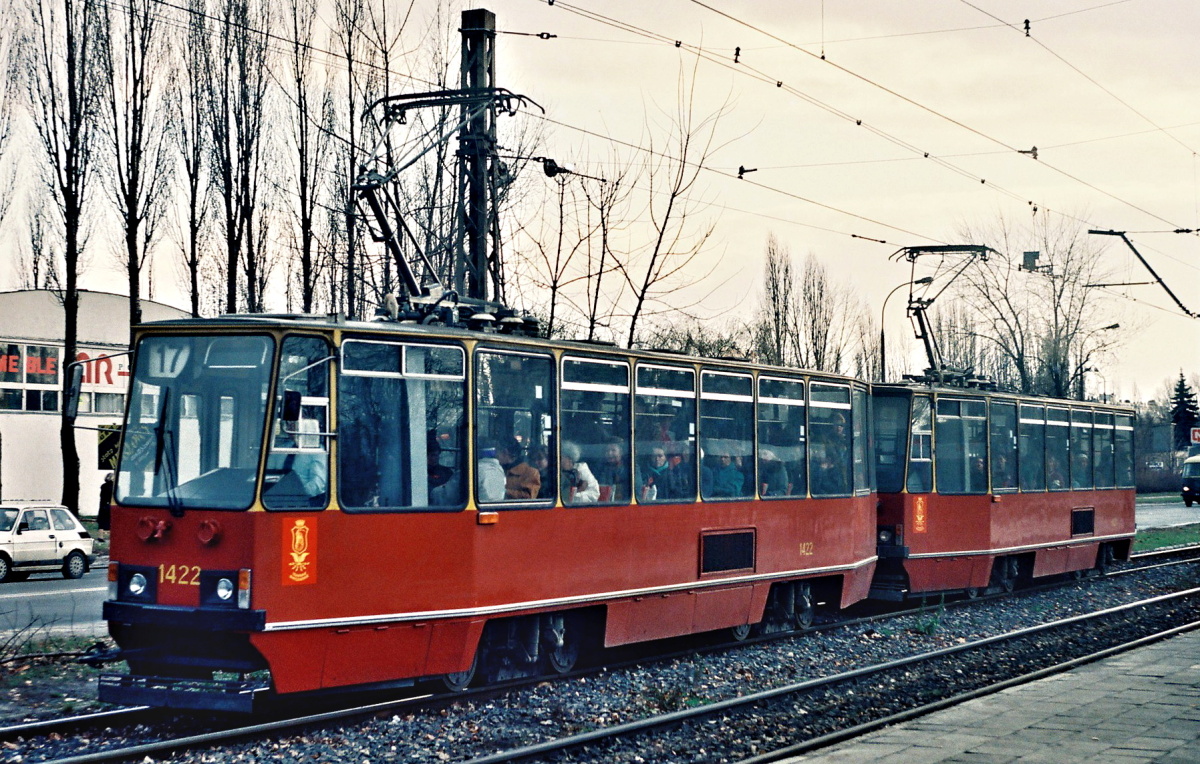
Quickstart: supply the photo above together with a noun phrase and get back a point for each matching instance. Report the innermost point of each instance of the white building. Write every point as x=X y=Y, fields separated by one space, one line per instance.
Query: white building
x=31 y=368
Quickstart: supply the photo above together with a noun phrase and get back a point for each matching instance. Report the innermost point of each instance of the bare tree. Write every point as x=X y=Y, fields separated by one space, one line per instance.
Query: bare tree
x=667 y=265
x=59 y=67
x=235 y=119
x=188 y=99
x=311 y=114
x=136 y=123
x=37 y=265
x=1044 y=327
x=775 y=329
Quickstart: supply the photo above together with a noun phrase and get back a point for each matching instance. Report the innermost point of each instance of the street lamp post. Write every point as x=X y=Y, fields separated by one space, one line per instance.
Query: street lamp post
x=882 y=314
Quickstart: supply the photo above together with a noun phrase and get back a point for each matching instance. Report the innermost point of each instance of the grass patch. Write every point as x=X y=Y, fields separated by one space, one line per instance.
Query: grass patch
x=1160 y=538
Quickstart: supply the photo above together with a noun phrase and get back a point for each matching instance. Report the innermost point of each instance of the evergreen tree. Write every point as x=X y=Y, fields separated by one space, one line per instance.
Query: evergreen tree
x=1185 y=413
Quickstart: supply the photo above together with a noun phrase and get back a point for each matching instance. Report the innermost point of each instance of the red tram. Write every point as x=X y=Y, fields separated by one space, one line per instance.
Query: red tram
x=984 y=490
x=307 y=504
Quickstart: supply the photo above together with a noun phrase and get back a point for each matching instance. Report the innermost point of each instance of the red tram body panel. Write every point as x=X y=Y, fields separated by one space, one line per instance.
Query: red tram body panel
x=1024 y=500
x=228 y=579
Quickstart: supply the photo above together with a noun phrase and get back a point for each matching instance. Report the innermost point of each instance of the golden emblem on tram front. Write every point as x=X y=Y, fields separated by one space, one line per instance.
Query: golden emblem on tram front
x=299 y=553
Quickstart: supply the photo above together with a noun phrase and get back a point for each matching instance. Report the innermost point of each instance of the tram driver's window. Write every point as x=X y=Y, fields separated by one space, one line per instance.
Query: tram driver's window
x=401 y=426
x=829 y=452
x=297 y=472
x=514 y=427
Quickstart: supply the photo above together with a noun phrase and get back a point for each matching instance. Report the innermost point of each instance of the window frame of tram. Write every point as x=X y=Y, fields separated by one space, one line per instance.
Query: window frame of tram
x=1103 y=463
x=296 y=470
x=727 y=423
x=891 y=418
x=960 y=445
x=1123 y=451
x=594 y=419
x=1058 y=444
x=391 y=382
x=830 y=439
x=1081 y=449
x=515 y=413
x=1002 y=445
x=920 y=445
x=664 y=434
x=1031 y=447
x=782 y=437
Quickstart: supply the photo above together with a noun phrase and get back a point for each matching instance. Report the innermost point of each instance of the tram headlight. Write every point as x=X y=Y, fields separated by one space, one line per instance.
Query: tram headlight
x=886 y=536
x=225 y=589
x=137 y=584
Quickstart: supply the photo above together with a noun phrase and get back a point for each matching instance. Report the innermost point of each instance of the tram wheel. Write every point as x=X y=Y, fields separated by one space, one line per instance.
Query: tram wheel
x=805 y=609
x=459 y=681
x=563 y=637
x=1006 y=573
x=740 y=633
x=972 y=592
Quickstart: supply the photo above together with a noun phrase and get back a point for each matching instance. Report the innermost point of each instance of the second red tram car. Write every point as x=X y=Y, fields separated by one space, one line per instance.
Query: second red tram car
x=983 y=490
x=306 y=504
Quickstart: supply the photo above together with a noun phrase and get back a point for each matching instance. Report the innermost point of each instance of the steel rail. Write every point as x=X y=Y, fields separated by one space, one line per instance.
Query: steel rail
x=733 y=704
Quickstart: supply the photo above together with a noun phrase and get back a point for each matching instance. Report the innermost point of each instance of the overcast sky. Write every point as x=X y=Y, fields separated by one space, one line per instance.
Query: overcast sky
x=836 y=103
x=1106 y=91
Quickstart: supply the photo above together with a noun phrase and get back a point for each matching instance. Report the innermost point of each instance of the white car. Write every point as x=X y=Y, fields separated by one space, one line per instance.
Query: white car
x=35 y=538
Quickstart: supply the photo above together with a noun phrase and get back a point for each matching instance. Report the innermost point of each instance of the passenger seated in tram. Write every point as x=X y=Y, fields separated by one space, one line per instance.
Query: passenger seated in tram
x=521 y=481
x=772 y=475
x=1056 y=480
x=724 y=480
x=539 y=459
x=579 y=485
x=445 y=488
x=613 y=473
x=489 y=475
x=653 y=476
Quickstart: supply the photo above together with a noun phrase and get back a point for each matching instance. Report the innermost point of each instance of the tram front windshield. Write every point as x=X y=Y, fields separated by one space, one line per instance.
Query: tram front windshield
x=194 y=429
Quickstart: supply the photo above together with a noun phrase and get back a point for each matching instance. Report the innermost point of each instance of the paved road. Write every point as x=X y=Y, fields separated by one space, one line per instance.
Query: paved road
x=48 y=602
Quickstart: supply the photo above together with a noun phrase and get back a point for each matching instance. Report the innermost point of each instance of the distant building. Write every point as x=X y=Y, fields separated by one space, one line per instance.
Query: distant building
x=31 y=368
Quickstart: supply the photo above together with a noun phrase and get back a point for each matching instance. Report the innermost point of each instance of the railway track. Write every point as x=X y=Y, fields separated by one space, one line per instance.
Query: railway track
x=220 y=731
x=820 y=702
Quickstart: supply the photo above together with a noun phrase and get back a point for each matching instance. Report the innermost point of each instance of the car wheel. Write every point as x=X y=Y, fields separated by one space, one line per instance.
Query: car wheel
x=5 y=569
x=1187 y=502
x=75 y=565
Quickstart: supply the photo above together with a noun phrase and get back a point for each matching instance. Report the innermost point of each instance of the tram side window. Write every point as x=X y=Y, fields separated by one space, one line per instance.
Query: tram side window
x=1081 y=449
x=891 y=430
x=781 y=438
x=961 y=446
x=862 y=442
x=595 y=420
x=830 y=447
x=297 y=470
x=1123 y=450
x=401 y=426
x=1031 y=444
x=727 y=432
x=1003 y=441
x=1102 y=450
x=665 y=434
x=514 y=422
x=1058 y=434
x=920 y=447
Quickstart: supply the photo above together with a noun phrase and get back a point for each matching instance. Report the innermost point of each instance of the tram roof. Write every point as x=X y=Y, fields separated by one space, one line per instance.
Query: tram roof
x=330 y=323
x=913 y=387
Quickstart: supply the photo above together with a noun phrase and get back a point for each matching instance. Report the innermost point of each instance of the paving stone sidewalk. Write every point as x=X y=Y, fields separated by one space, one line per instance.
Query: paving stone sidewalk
x=1141 y=706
